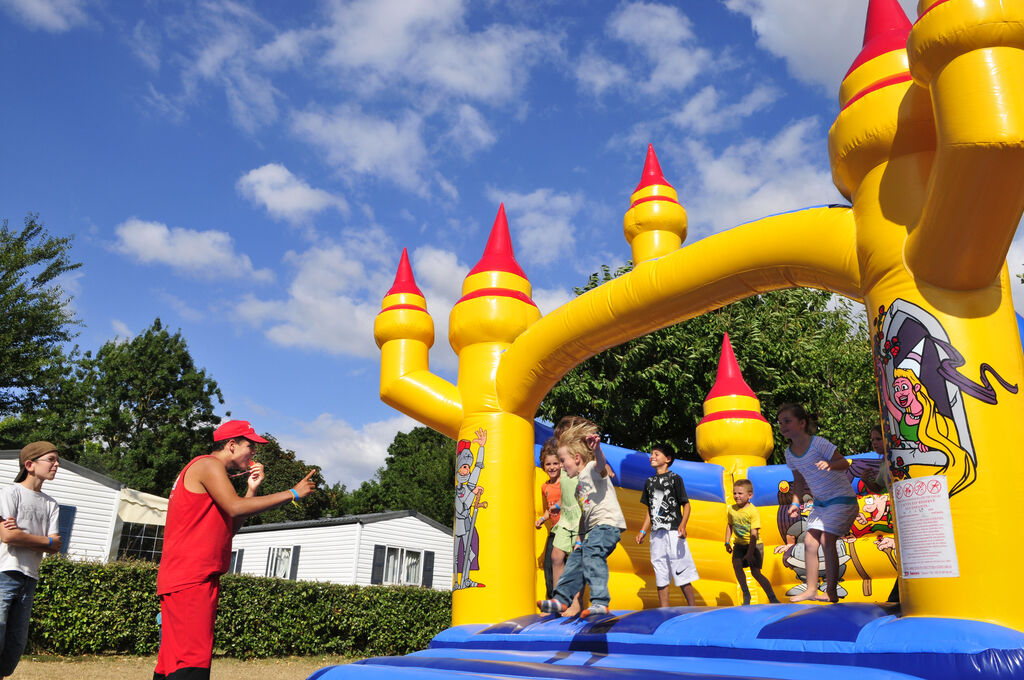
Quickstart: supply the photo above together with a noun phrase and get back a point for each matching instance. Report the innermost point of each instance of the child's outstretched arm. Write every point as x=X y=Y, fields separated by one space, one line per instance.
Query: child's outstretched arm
x=728 y=535
x=600 y=462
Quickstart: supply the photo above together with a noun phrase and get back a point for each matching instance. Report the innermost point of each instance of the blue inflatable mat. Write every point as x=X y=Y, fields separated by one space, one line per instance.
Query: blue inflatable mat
x=786 y=641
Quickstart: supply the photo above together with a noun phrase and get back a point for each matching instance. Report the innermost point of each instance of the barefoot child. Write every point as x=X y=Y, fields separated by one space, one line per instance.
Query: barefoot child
x=817 y=465
x=562 y=515
x=744 y=523
x=579 y=449
x=668 y=511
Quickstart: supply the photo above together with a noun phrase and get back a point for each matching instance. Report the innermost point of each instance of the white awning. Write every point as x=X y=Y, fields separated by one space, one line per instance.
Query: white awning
x=142 y=508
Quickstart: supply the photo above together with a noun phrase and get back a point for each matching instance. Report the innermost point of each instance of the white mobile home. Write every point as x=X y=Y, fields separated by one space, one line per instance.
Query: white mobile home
x=88 y=506
x=399 y=548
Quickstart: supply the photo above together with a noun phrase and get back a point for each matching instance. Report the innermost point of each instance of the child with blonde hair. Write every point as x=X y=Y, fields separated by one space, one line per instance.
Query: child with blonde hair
x=579 y=450
x=562 y=516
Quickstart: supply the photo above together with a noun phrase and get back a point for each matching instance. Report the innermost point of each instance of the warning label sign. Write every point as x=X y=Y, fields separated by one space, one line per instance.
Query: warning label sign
x=926 y=545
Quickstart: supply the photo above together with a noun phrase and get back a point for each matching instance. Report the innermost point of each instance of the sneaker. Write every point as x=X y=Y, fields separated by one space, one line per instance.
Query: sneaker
x=551 y=606
x=594 y=609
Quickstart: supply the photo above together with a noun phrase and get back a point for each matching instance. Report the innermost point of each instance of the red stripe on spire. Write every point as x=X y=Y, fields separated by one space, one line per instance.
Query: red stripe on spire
x=404 y=281
x=730 y=381
x=498 y=255
x=885 y=30
x=652 y=171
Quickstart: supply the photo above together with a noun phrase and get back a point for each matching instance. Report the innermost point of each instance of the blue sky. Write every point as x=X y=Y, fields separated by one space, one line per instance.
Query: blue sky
x=249 y=172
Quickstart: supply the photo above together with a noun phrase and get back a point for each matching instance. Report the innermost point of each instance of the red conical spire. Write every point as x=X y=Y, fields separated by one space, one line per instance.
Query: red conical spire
x=652 y=171
x=498 y=255
x=404 y=281
x=729 y=380
x=885 y=30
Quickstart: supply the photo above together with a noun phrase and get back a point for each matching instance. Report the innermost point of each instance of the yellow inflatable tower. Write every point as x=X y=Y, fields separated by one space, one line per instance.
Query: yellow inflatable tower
x=929 y=148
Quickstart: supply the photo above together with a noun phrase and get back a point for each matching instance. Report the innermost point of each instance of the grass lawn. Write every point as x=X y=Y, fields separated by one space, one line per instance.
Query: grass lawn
x=136 y=667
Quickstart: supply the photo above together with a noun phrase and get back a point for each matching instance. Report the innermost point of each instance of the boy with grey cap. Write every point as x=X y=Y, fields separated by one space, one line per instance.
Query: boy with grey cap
x=28 y=529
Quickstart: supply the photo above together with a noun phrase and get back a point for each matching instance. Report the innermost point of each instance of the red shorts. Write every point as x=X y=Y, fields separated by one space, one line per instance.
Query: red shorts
x=186 y=634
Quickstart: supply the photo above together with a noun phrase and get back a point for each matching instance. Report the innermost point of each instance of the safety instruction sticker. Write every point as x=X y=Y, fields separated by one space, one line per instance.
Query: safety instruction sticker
x=925 y=524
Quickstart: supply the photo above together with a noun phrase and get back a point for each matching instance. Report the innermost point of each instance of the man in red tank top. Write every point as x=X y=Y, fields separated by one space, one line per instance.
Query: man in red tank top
x=203 y=514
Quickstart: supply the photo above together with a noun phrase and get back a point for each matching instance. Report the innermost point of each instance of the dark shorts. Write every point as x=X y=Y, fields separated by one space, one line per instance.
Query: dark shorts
x=739 y=555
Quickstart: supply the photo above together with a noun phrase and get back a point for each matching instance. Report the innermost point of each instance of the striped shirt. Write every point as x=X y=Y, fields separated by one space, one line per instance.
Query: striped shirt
x=827 y=486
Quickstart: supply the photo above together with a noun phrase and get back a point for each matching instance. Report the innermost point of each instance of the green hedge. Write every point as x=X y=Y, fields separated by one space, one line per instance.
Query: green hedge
x=88 y=607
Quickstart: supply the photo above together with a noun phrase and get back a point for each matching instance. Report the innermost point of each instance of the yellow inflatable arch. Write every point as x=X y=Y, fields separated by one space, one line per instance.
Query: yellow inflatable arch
x=928 y=147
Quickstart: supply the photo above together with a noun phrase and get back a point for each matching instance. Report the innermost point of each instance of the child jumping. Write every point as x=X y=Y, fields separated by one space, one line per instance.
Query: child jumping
x=579 y=450
x=744 y=527
x=817 y=465
x=668 y=511
x=562 y=515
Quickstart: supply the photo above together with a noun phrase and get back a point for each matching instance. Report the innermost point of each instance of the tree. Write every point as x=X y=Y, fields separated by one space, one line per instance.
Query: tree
x=284 y=471
x=146 y=409
x=35 y=319
x=418 y=474
x=791 y=345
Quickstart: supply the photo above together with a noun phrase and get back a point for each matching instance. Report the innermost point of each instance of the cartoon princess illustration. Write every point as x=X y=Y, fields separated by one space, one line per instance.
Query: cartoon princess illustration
x=920 y=424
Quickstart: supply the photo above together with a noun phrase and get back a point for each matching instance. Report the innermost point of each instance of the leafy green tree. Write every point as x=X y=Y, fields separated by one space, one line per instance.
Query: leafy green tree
x=284 y=471
x=146 y=409
x=418 y=474
x=35 y=319
x=791 y=345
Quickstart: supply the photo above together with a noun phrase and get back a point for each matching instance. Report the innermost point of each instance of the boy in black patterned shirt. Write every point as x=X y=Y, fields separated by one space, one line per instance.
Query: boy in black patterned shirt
x=668 y=511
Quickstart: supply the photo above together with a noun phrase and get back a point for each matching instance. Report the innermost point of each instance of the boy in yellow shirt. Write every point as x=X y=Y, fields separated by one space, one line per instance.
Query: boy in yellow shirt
x=744 y=526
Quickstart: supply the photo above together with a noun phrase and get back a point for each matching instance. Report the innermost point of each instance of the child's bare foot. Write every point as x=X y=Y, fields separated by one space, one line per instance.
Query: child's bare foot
x=808 y=594
x=822 y=597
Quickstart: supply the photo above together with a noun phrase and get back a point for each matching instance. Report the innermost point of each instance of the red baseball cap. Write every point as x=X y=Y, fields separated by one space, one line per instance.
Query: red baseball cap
x=237 y=428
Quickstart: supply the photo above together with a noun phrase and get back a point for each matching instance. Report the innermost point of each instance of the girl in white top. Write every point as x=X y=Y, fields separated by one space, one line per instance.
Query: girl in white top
x=817 y=466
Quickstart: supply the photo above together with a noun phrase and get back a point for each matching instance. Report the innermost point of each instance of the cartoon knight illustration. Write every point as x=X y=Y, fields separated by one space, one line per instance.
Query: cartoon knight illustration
x=467 y=504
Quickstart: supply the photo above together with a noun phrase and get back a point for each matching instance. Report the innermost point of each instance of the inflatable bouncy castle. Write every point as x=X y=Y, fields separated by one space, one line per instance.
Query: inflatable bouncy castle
x=928 y=147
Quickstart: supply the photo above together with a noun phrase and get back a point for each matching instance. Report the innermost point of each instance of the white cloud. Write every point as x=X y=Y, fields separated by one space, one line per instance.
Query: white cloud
x=55 y=16
x=757 y=177
x=427 y=44
x=206 y=254
x=186 y=311
x=332 y=299
x=360 y=144
x=284 y=195
x=144 y=42
x=345 y=453
x=222 y=49
x=665 y=36
x=818 y=40
x=703 y=113
x=124 y=334
x=337 y=289
x=540 y=223
x=470 y=132
x=596 y=74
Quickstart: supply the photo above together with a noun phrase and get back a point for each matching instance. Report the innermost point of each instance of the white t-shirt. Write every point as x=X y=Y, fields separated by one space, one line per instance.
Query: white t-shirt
x=36 y=513
x=597 y=499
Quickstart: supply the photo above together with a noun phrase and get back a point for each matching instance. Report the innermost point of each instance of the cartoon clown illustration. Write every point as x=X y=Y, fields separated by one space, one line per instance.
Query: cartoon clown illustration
x=467 y=504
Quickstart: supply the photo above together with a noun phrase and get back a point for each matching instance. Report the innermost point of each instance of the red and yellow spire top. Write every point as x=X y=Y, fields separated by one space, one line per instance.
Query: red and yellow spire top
x=404 y=280
x=652 y=171
x=733 y=433
x=729 y=381
x=498 y=255
x=883 y=58
x=655 y=223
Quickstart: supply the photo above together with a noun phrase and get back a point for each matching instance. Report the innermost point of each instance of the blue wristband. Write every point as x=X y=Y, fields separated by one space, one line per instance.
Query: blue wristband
x=294 y=493
x=50 y=544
